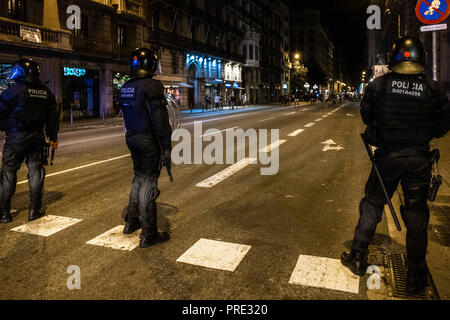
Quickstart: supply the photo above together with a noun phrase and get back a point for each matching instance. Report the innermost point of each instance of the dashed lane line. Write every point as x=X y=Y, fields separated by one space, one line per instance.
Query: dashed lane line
x=80 y=167
x=296 y=133
x=224 y=174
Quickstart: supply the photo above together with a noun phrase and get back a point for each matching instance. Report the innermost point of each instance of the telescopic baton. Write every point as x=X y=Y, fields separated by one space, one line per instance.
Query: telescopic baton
x=391 y=207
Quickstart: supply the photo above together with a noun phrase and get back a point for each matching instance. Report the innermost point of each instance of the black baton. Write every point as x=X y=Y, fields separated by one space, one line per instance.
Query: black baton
x=52 y=157
x=391 y=207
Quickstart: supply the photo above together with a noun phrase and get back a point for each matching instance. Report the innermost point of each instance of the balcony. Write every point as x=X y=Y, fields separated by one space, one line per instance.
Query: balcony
x=31 y=35
x=129 y=7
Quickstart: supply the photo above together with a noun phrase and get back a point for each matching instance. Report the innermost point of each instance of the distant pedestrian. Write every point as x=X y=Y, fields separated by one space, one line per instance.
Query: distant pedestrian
x=216 y=101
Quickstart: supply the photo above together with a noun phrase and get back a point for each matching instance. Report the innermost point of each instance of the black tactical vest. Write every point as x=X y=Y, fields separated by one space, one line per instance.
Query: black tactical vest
x=404 y=110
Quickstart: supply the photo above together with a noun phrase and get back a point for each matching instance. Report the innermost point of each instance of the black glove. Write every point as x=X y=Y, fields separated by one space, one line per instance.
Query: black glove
x=165 y=160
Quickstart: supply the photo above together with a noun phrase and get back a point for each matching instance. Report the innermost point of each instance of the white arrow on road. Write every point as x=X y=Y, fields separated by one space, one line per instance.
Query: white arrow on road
x=331 y=145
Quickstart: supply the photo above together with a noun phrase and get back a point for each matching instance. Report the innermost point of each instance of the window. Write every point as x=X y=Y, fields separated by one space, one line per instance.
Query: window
x=17 y=10
x=244 y=51
x=256 y=53
x=174 y=62
x=155 y=20
x=122 y=36
x=250 y=52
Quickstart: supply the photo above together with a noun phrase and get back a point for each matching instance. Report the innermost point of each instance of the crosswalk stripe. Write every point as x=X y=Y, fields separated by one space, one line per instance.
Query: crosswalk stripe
x=47 y=225
x=309 y=125
x=296 y=133
x=115 y=239
x=325 y=273
x=215 y=254
x=222 y=175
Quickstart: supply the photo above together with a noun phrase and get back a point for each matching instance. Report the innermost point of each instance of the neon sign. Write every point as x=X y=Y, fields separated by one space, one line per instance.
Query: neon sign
x=77 y=72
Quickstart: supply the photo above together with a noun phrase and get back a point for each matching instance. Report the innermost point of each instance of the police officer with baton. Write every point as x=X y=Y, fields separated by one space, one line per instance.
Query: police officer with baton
x=404 y=110
x=148 y=136
x=25 y=109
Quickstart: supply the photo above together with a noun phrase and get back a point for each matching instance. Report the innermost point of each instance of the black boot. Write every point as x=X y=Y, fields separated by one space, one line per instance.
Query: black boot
x=150 y=240
x=5 y=218
x=35 y=214
x=355 y=261
x=131 y=226
x=5 y=215
x=416 y=281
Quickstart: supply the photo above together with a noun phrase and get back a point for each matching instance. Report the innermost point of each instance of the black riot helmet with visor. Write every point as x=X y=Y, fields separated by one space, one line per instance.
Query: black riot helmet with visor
x=25 y=69
x=143 y=63
x=408 y=56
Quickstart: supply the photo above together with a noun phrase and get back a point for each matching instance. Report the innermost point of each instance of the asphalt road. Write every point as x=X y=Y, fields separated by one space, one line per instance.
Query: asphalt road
x=308 y=209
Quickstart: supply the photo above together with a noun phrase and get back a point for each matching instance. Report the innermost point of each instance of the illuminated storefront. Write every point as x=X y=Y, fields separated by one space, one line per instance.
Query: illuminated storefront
x=80 y=92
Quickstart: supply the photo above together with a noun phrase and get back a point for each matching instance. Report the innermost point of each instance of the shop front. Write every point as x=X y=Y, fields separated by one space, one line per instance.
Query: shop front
x=80 y=93
x=4 y=71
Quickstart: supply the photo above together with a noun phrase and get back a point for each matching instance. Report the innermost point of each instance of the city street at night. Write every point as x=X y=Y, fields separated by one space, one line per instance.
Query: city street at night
x=226 y=159
x=309 y=208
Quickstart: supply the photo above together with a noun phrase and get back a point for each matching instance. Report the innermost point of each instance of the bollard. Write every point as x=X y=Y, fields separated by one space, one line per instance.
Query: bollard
x=71 y=117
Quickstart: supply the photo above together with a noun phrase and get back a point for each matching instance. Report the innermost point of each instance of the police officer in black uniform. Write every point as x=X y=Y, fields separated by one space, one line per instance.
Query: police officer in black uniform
x=149 y=139
x=25 y=109
x=404 y=110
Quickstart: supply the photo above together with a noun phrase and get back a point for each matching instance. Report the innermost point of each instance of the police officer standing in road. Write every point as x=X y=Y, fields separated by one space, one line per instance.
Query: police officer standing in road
x=149 y=140
x=404 y=110
x=25 y=109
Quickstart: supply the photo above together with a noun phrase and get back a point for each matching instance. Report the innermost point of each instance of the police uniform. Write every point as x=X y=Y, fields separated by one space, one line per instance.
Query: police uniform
x=25 y=109
x=404 y=111
x=148 y=136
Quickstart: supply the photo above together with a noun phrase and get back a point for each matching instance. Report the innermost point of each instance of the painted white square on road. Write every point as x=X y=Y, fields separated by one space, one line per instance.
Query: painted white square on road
x=323 y=272
x=309 y=125
x=47 y=225
x=215 y=254
x=115 y=239
x=318 y=120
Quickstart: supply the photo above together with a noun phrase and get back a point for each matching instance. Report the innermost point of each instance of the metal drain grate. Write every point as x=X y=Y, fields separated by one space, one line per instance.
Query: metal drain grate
x=398 y=269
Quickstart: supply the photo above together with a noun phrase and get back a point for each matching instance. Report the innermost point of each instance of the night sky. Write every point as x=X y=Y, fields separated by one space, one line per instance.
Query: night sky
x=346 y=22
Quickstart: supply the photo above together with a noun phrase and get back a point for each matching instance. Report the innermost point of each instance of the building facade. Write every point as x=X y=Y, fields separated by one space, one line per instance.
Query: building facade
x=85 y=67
x=207 y=49
x=312 y=42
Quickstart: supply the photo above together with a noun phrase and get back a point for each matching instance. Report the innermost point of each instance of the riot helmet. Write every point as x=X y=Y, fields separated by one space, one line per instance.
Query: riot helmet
x=25 y=69
x=143 y=63
x=407 y=56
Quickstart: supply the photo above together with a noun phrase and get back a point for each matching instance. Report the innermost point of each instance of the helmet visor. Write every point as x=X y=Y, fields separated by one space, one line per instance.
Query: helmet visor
x=408 y=67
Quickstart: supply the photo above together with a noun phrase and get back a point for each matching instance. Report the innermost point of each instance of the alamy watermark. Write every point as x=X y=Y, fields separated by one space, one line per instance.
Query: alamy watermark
x=222 y=144
x=74 y=20
x=374 y=21
x=74 y=281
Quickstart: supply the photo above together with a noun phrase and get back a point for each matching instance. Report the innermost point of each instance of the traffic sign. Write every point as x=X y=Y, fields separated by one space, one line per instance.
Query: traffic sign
x=434 y=27
x=432 y=11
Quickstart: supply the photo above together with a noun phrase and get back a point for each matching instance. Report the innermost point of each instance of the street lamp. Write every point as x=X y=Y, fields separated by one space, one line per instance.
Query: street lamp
x=297 y=56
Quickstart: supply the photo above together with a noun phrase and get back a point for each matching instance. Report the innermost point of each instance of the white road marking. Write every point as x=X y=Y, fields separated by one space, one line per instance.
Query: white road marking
x=272 y=146
x=99 y=138
x=209 y=134
x=215 y=119
x=288 y=114
x=350 y=115
x=47 y=225
x=318 y=119
x=323 y=272
x=115 y=239
x=331 y=145
x=325 y=116
x=80 y=167
x=309 y=125
x=224 y=174
x=266 y=119
x=296 y=133
x=215 y=254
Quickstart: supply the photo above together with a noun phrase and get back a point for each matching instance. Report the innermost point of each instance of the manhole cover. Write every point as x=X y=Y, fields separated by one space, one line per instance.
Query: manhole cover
x=398 y=269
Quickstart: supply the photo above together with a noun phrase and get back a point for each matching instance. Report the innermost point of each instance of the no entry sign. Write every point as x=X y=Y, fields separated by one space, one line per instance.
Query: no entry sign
x=432 y=11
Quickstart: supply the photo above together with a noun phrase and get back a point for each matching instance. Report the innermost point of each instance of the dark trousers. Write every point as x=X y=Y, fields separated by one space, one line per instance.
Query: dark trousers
x=20 y=146
x=411 y=168
x=144 y=188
